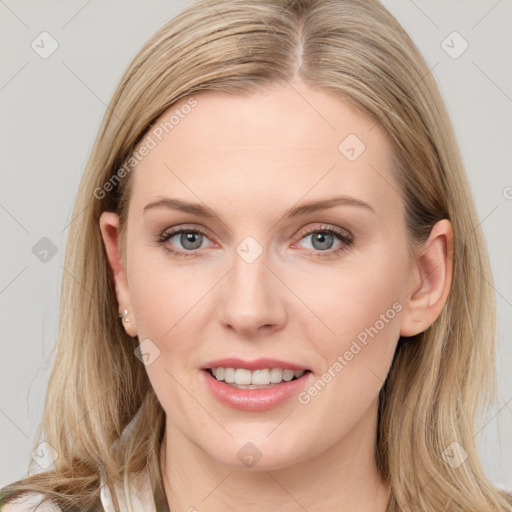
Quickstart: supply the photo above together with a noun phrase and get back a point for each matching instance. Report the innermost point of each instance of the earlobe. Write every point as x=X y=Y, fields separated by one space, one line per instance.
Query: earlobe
x=109 y=226
x=431 y=281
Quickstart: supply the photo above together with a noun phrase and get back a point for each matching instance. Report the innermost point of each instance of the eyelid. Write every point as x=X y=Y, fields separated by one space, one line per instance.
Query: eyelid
x=319 y=227
x=184 y=227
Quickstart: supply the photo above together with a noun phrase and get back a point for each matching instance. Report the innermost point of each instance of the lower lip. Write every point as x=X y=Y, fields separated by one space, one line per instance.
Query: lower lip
x=255 y=399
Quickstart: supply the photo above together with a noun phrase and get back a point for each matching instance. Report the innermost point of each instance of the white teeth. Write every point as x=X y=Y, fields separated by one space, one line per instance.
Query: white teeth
x=260 y=377
x=229 y=375
x=288 y=375
x=264 y=377
x=276 y=375
x=243 y=376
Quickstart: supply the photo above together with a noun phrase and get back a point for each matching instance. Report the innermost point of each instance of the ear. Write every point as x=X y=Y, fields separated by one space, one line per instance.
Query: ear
x=430 y=280
x=109 y=225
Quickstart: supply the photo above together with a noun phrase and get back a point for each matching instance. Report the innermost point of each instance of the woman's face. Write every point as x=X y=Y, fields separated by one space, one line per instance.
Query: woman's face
x=269 y=229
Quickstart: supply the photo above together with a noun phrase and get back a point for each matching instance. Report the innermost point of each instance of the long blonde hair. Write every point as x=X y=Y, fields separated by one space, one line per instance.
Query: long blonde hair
x=440 y=381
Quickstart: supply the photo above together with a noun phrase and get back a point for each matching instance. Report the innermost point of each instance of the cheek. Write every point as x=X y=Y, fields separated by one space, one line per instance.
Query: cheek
x=169 y=305
x=354 y=299
x=166 y=303
x=164 y=297
x=360 y=307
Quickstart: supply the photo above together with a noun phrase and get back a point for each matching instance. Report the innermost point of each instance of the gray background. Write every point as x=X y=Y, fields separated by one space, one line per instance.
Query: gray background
x=51 y=111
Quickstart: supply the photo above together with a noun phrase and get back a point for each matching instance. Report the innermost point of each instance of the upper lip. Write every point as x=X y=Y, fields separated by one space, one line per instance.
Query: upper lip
x=255 y=364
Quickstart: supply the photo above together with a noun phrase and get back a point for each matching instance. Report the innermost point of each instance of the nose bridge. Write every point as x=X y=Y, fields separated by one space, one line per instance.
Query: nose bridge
x=251 y=299
x=249 y=274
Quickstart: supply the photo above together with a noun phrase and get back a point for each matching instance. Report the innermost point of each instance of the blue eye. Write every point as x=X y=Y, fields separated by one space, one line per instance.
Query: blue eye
x=186 y=241
x=324 y=238
x=321 y=240
x=190 y=240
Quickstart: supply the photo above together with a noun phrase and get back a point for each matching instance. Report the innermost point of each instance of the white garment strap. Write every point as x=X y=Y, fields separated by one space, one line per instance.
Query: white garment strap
x=133 y=496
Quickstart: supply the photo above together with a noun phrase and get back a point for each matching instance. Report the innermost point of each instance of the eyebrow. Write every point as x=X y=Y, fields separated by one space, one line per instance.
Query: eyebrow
x=297 y=211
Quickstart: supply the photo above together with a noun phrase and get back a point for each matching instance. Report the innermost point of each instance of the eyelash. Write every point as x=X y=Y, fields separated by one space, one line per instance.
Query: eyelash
x=346 y=239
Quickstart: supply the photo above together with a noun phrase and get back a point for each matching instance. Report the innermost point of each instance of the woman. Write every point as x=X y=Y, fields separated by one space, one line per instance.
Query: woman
x=279 y=290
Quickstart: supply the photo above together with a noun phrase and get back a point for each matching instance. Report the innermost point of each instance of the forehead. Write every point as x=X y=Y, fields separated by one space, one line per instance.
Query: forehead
x=284 y=142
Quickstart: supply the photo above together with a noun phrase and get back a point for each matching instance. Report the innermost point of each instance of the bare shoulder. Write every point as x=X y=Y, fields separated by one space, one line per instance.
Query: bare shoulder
x=29 y=503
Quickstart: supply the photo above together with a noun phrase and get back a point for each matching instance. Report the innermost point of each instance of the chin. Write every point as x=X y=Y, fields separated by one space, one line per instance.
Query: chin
x=257 y=455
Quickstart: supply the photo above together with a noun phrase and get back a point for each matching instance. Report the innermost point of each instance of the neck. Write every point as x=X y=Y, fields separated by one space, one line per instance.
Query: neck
x=343 y=478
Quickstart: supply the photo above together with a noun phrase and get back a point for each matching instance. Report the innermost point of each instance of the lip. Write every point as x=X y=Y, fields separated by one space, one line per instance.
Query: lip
x=255 y=364
x=255 y=400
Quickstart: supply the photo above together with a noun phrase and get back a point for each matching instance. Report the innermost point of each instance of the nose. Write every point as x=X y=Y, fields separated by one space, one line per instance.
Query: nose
x=251 y=298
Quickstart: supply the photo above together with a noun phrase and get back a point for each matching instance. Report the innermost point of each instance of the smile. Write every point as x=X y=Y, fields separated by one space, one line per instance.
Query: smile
x=243 y=378
x=255 y=397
